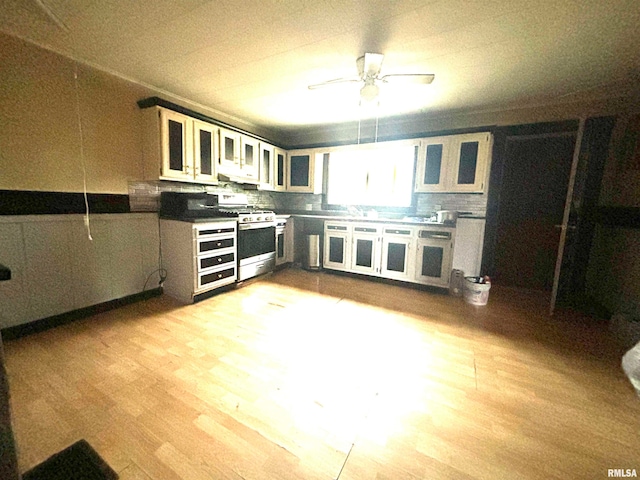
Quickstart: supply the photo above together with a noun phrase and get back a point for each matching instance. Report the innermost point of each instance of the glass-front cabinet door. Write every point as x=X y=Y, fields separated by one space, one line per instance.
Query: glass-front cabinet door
x=304 y=171
x=431 y=172
x=267 y=169
x=229 y=151
x=435 y=249
x=397 y=254
x=205 y=153
x=299 y=171
x=280 y=170
x=176 y=145
x=337 y=250
x=470 y=154
x=249 y=157
x=365 y=254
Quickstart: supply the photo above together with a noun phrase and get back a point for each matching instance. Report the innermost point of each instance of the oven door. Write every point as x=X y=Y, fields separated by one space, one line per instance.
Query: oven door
x=256 y=241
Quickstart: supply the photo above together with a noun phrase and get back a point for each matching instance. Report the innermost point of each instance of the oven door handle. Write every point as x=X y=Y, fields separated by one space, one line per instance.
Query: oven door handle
x=252 y=226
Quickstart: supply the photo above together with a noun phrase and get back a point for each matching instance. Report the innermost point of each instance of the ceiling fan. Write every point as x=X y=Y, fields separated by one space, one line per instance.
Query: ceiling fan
x=369 y=66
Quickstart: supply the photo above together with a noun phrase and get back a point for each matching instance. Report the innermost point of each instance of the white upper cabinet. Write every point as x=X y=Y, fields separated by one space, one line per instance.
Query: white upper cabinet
x=178 y=147
x=229 y=152
x=304 y=171
x=454 y=163
x=280 y=170
x=267 y=166
x=205 y=145
x=249 y=158
x=431 y=171
x=239 y=156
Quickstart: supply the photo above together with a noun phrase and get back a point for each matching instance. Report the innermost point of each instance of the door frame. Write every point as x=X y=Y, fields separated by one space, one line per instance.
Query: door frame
x=501 y=137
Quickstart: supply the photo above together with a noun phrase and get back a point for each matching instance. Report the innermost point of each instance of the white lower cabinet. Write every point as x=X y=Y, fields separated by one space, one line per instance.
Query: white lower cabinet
x=337 y=246
x=397 y=253
x=434 y=255
x=56 y=268
x=417 y=254
x=365 y=251
x=284 y=240
x=198 y=257
x=467 y=255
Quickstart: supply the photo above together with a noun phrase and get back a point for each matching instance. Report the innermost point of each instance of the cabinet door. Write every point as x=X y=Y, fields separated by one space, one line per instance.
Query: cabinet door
x=267 y=169
x=177 y=145
x=300 y=171
x=289 y=240
x=249 y=157
x=431 y=171
x=280 y=174
x=470 y=157
x=433 y=265
x=365 y=254
x=397 y=258
x=337 y=239
x=229 y=151
x=205 y=152
x=467 y=250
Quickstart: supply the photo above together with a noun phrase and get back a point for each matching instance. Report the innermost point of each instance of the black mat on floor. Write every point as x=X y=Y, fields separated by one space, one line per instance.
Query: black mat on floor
x=77 y=462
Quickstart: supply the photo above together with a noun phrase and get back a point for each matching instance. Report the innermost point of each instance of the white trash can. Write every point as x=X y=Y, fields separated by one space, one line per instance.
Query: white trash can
x=476 y=293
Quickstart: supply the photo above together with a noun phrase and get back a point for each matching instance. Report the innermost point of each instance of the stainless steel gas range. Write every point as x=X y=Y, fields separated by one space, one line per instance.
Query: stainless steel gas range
x=256 y=235
x=256 y=244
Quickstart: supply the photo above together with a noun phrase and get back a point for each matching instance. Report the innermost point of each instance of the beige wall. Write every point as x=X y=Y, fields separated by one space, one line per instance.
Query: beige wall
x=40 y=135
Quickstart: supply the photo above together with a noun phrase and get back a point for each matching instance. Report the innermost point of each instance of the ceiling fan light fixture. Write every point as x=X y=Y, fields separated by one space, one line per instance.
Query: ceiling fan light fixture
x=369 y=92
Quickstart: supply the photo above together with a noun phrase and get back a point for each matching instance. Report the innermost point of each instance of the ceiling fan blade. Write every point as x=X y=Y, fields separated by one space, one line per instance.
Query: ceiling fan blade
x=416 y=78
x=336 y=81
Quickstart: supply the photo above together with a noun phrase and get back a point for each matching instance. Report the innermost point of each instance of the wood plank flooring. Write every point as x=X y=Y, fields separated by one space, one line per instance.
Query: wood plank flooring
x=304 y=375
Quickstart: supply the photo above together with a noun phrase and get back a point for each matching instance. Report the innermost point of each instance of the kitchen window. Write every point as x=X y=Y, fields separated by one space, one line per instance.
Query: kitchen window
x=374 y=175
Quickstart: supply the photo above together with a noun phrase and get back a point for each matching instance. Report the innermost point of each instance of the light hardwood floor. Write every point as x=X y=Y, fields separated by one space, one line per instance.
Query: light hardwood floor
x=305 y=375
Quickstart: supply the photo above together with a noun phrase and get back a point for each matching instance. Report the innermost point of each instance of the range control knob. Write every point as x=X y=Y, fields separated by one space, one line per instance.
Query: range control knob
x=245 y=219
x=258 y=219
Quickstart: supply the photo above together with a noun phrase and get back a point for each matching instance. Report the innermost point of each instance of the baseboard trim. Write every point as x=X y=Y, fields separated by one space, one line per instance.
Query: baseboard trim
x=43 y=324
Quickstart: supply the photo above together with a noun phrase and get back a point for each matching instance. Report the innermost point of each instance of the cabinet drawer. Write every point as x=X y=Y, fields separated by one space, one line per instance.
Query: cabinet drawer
x=337 y=227
x=215 y=231
x=397 y=231
x=215 y=261
x=205 y=246
x=207 y=279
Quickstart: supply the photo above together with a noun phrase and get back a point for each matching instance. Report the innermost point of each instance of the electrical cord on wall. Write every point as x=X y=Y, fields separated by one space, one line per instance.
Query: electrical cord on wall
x=87 y=223
x=161 y=271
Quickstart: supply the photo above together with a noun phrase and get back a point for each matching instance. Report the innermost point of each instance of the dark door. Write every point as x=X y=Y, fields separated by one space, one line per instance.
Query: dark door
x=532 y=197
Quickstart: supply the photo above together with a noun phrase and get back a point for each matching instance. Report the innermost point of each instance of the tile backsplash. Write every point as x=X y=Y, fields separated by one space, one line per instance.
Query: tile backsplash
x=144 y=196
x=428 y=203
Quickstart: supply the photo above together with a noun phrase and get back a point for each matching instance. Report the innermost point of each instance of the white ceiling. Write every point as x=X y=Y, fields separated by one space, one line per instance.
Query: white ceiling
x=253 y=59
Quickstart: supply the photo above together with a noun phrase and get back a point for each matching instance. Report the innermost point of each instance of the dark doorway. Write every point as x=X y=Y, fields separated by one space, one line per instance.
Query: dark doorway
x=535 y=176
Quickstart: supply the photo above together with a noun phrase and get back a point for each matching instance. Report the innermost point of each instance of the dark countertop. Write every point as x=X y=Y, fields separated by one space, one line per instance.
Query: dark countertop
x=340 y=216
